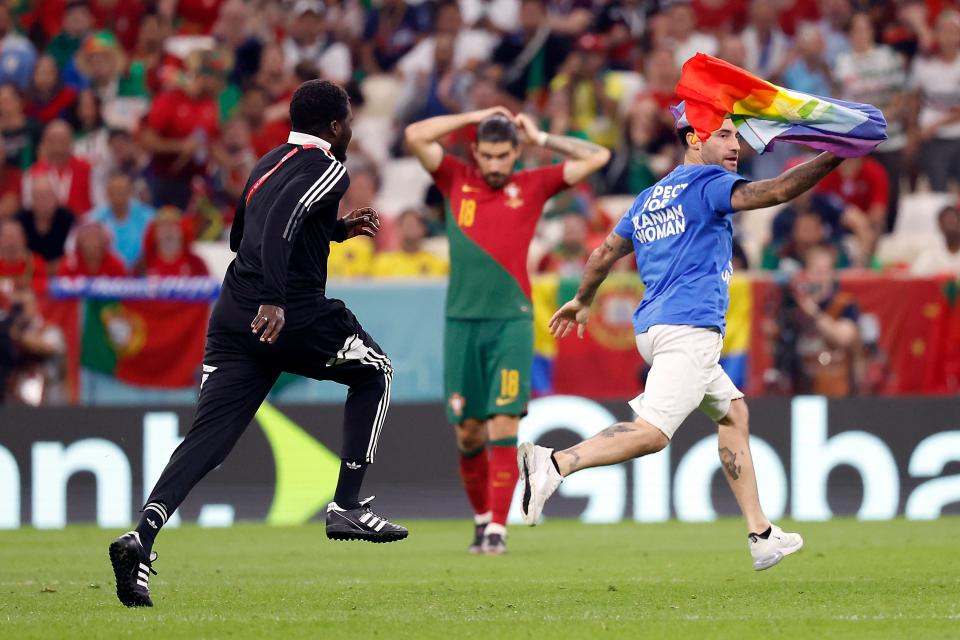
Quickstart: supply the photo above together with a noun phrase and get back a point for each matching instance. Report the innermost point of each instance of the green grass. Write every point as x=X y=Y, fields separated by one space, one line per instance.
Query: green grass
x=562 y=580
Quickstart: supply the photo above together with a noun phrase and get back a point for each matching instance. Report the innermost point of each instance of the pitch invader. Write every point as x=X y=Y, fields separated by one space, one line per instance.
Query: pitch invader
x=681 y=234
x=488 y=343
x=273 y=316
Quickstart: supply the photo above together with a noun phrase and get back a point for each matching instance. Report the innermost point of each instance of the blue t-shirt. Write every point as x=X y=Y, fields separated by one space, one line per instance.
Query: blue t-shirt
x=683 y=241
x=128 y=234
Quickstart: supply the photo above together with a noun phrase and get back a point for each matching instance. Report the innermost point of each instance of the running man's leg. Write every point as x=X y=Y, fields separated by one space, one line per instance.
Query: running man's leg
x=475 y=467
x=724 y=403
x=230 y=394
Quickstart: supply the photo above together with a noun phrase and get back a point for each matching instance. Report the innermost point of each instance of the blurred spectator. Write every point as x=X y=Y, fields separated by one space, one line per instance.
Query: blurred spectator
x=568 y=257
x=124 y=156
x=943 y=258
x=47 y=223
x=569 y=17
x=92 y=142
x=794 y=12
x=235 y=33
x=875 y=74
x=828 y=206
x=69 y=174
x=38 y=346
x=834 y=25
x=936 y=82
x=493 y=15
x=767 y=46
x=89 y=254
x=308 y=41
x=278 y=82
x=862 y=184
x=469 y=47
x=827 y=338
x=120 y=17
x=732 y=50
x=682 y=35
x=622 y=24
x=77 y=24
x=120 y=90
x=17 y=54
x=20 y=133
x=180 y=128
x=17 y=262
x=147 y=57
x=526 y=59
x=437 y=92
x=168 y=252
x=808 y=231
x=48 y=98
x=390 y=31
x=231 y=177
x=807 y=69
x=720 y=16
x=585 y=98
x=412 y=260
x=653 y=146
x=125 y=217
x=11 y=181
x=264 y=134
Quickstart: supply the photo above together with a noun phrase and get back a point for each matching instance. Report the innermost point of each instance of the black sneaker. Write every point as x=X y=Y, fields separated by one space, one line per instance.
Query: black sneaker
x=132 y=567
x=477 y=546
x=361 y=524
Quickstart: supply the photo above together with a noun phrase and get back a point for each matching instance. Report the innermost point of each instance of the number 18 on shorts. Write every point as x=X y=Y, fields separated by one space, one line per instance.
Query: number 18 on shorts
x=487 y=367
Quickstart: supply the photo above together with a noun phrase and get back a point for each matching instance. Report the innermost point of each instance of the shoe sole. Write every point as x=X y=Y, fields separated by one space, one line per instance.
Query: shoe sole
x=524 y=459
x=363 y=536
x=773 y=560
x=125 y=562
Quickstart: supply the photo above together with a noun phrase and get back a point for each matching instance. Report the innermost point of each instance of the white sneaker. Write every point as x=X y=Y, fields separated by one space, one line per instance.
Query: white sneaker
x=779 y=544
x=539 y=479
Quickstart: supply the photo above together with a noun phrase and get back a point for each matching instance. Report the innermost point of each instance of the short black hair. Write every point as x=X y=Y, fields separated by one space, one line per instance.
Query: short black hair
x=682 y=134
x=498 y=128
x=317 y=103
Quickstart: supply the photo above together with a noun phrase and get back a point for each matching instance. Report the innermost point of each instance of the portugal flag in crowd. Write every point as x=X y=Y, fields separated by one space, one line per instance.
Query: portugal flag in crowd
x=147 y=343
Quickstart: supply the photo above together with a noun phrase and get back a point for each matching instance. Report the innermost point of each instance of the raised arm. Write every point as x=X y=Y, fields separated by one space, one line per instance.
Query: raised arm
x=421 y=137
x=583 y=157
x=785 y=187
x=577 y=311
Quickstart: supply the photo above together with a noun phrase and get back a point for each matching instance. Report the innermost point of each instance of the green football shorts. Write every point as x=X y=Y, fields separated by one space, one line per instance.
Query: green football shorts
x=486 y=367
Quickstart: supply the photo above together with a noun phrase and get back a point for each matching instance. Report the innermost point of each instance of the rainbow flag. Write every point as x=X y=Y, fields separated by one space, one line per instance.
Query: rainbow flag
x=765 y=113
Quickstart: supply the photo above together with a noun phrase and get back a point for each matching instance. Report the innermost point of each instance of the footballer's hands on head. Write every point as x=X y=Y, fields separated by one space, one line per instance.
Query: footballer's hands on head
x=270 y=319
x=573 y=314
x=483 y=114
x=364 y=221
x=529 y=132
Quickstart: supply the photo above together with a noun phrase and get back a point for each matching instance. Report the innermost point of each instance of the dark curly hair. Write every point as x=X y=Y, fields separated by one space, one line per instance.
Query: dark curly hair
x=498 y=128
x=317 y=103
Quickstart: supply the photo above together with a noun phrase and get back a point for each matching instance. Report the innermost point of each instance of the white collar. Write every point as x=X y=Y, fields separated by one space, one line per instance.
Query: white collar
x=296 y=137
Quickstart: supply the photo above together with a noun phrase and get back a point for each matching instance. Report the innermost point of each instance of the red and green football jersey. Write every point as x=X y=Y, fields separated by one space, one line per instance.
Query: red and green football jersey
x=489 y=231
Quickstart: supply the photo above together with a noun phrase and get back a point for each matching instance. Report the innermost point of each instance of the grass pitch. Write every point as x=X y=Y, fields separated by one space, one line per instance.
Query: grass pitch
x=561 y=580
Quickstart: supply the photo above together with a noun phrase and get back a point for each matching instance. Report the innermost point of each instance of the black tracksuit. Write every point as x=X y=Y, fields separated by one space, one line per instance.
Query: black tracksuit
x=284 y=224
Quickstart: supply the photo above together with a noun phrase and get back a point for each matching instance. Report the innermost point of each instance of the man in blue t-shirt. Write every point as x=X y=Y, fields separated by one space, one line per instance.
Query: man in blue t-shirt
x=680 y=231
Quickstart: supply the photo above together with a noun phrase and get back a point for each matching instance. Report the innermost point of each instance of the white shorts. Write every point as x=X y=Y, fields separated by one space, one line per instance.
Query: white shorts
x=684 y=374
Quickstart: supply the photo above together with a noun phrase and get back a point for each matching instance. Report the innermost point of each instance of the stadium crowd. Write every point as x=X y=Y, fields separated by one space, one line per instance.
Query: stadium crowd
x=129 y=126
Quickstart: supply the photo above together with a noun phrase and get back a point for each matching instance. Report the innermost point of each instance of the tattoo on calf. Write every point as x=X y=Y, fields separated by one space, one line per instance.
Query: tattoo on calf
x=572 y=452
x=729 y=460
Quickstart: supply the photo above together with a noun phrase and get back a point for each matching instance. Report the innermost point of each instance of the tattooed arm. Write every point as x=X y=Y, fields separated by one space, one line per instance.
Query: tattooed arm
x=584 y=157
x=577 y=311
x=785 y=187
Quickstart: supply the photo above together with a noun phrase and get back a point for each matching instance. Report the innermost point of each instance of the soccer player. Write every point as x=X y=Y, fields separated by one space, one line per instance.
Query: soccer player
x=272 y=316
x=488 y=343
x=681 y=234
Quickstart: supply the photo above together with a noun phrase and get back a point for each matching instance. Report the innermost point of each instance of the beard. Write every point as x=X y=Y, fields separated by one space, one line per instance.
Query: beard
x=339 y=154
x=496 y=180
